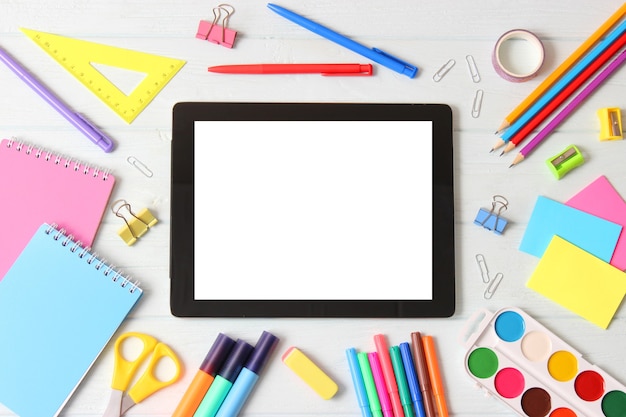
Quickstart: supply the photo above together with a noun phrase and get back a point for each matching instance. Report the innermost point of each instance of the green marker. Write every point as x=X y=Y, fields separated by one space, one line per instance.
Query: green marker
x=370 y=386
x=224 y=379
x=403 y=385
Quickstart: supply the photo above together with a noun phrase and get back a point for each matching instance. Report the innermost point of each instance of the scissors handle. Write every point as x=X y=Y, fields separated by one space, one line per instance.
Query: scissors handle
x=124 y=370
x=149 y=383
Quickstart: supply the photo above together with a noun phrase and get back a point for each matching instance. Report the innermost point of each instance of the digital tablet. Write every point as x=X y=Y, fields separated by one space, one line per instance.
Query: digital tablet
x=312 y=210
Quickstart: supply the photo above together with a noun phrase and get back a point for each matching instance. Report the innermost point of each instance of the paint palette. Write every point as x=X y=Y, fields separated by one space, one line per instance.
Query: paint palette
x=519 y=361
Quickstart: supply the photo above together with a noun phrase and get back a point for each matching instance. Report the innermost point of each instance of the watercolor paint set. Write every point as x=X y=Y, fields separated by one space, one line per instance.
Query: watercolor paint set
x=516 y=359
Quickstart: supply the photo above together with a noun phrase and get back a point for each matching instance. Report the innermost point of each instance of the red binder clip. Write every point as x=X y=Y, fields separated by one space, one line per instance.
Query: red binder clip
x=216 y=32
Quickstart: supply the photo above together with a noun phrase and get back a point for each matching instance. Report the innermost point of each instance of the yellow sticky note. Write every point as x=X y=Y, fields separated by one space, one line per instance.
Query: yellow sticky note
x=579 y=281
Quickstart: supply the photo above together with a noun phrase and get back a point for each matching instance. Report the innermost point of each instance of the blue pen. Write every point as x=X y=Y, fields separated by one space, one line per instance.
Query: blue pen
x=563 y=82
x=411 y=376
x=374 y=54
x=359 y=384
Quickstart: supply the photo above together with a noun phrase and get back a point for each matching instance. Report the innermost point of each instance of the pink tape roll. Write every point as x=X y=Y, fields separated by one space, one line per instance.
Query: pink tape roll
x=497 y=56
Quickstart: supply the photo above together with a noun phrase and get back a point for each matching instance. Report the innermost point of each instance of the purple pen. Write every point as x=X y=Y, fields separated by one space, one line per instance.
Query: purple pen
x=86 y=128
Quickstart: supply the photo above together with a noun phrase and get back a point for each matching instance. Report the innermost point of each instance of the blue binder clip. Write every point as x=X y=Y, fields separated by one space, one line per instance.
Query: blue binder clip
x=492 y=220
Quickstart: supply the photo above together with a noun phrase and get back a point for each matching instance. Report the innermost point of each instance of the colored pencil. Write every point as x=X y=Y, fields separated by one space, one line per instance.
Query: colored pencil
x=561 y=84
x=565 y=94
x=561 y=69
x=567 y=110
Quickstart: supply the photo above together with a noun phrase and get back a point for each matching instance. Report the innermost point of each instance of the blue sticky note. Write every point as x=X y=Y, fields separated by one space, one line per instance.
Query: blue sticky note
x=590 y=233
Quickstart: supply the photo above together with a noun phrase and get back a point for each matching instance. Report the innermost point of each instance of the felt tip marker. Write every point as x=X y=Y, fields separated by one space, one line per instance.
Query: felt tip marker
x=379 y=379
x=411 y=377
x=224 y=380
x=390 y=377
x=358 y=382
x=403 y=385
x=422 y=373
x=435 y=375
x=204 y=377
x=248 y=376
x=370 y=384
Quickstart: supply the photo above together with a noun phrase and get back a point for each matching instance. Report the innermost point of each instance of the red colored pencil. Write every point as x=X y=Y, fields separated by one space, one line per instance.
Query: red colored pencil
x=564 y=95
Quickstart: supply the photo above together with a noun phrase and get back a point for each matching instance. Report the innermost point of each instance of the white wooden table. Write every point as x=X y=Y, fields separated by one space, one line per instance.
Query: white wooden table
x=427 y=33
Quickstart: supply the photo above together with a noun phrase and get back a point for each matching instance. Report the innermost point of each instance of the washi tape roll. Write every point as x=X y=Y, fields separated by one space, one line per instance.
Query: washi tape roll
x=514 y=64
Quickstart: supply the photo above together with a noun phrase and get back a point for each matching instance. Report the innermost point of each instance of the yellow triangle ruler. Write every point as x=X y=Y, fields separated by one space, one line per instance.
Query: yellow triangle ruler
x=78 y=56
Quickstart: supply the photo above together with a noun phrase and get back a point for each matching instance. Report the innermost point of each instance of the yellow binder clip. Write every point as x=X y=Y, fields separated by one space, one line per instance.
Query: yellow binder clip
x=136 y=224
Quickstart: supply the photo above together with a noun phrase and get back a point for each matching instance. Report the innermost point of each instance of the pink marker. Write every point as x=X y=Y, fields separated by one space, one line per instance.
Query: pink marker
x=379 y=381
x=388 y=374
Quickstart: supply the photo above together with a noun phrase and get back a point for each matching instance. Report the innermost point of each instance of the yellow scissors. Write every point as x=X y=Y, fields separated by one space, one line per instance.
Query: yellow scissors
x=124 y=371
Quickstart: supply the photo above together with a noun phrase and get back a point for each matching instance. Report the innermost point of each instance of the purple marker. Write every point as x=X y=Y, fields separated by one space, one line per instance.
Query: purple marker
x=76 y=119
x=248 y=376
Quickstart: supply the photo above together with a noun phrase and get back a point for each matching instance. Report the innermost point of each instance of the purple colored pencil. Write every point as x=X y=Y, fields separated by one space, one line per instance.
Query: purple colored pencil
x=567 y=110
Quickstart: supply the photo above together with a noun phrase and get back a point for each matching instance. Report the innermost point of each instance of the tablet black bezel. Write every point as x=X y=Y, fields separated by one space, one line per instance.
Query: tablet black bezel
x=182 y=302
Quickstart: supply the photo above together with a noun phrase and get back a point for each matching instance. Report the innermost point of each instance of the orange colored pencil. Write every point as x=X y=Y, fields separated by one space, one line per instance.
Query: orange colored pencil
x=565 y=65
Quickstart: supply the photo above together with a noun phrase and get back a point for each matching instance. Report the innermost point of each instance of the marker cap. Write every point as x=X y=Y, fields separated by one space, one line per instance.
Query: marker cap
x=233 y=364
x=262 y=350
x=217 y=354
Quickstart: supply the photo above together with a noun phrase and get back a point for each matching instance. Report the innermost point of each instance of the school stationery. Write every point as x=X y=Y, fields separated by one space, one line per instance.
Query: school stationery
x=569 y=108
x=224 y=379
x=421 y=367
x=323 y=69
x=591 y=233
x=83 y=125
x=401 y=379
x=578 y=281
x=365 y=211
x=59 y=306
x=205 y=376
x=610 y=123
x=516 y=359
x=601 y=199
x=570 y=89
x=218 y=32
x=123 y=396
x=571 y=75
x=503 y=66
x=379 y=380
x=310 y=373
x=37 y=186
x=374 y=54
x=434 y=373
x=370 y=384
x=79 y=57
x=566 y=160
x=565 y=65
x=248 y=376
x=358 y=382
x=388 y=373
x=411 y=376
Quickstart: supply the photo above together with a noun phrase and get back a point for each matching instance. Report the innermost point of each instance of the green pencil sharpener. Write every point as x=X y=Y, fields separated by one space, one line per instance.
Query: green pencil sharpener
x=565 y=161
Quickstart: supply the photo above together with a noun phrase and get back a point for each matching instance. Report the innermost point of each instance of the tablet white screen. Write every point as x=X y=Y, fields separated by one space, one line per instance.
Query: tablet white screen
x=323 y=210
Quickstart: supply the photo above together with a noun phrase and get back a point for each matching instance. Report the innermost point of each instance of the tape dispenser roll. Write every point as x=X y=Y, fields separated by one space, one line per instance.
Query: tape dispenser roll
x=513 y=66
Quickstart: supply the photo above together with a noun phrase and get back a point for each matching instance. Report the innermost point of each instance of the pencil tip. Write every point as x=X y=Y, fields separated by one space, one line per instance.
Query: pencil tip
x=502 y=153
x=512 y=165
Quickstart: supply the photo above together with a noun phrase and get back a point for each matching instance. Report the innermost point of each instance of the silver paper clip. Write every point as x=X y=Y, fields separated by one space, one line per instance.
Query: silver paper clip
x=140 y=166
x=472 y=68
x=482 y=265
x=493 y=285
x=478 y=102
x=443 y=70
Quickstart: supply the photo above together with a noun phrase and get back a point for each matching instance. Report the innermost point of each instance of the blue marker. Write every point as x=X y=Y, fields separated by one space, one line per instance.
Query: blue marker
x=248 y=376
x=411 y=376
x=374 y=54
x=359 y=384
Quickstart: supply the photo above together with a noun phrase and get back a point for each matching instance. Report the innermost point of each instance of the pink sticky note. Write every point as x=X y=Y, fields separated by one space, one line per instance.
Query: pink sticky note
x=601 y=199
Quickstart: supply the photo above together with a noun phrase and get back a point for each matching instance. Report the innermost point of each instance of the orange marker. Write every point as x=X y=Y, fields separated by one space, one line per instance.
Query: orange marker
x=435 y=375
x=204 y=377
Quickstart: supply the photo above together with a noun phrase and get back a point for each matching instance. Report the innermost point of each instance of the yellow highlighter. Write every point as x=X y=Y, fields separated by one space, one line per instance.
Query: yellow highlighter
x=310 y=373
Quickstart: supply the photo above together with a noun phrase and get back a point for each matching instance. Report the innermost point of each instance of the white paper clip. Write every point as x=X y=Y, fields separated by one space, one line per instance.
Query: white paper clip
x=478 y=103
x=493 y=285
x=140 y=166
x=443 y=70
x=482 y=265
x=473 y=69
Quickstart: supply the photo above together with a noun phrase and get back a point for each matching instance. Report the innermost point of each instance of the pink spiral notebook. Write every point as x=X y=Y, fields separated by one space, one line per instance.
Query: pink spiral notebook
x=39 y=186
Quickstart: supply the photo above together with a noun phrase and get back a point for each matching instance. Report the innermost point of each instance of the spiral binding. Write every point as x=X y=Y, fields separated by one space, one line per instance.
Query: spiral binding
x=58 y=159
x=84 y=252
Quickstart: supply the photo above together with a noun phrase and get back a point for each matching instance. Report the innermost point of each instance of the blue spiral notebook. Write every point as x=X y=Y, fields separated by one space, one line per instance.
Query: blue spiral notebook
x=59 y=307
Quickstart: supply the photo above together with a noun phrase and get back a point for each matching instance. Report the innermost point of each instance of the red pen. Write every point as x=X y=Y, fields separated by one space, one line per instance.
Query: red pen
x=324 y=69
